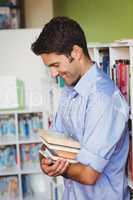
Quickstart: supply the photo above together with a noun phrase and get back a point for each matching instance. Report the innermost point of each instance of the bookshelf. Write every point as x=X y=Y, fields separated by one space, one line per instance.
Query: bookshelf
x=19 y=157
x=12 y=14
x=118 y=60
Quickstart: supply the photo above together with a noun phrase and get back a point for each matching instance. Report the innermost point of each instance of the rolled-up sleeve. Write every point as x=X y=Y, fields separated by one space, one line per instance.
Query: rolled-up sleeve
x=104 y=128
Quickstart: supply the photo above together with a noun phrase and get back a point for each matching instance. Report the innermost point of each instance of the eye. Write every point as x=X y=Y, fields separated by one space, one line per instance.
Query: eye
x=56 y=65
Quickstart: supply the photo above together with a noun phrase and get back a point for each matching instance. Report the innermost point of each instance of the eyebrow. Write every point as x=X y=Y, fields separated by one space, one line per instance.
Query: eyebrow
x=51 y=64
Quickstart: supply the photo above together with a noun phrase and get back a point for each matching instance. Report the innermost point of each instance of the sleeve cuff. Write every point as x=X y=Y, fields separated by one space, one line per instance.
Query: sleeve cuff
x=92 y=160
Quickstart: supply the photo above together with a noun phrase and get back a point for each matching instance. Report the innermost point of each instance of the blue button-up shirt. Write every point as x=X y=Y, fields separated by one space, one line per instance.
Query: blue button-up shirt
x=96 y=114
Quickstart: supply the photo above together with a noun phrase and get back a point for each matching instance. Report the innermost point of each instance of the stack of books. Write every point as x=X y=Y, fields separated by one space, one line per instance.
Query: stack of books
x=58 y=145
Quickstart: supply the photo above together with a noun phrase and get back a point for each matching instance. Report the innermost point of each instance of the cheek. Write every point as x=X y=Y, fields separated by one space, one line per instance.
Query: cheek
x=70 y=70
x=75 y=73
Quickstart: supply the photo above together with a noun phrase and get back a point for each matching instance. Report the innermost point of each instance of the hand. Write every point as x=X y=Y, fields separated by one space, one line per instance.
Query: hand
x=55 y=168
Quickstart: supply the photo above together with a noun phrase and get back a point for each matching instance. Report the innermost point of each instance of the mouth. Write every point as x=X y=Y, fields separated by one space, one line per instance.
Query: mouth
x=63 y=75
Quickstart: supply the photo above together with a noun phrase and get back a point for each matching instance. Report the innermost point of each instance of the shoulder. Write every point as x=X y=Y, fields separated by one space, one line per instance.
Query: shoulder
x=104 y=85
x=102 y=91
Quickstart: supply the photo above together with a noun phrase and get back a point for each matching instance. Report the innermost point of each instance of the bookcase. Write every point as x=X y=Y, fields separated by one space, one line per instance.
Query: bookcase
x=20 y=173
x=116 y=59
x=12 y=14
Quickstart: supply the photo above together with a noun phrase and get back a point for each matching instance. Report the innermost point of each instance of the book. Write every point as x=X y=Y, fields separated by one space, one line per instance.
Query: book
x=59 y=145
x=120 y=75
x=47 y=154
x=4 y=18
x=59 y=141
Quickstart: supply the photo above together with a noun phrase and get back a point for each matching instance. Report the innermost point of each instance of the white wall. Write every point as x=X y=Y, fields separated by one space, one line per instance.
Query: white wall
x=37 y=13
x=16 y=59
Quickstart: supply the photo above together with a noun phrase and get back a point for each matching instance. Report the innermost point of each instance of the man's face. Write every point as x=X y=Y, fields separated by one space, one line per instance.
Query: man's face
x=60 y=65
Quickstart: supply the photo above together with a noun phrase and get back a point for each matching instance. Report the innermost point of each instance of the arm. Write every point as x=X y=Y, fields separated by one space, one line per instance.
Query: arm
x=77 y=172
x=82 y=174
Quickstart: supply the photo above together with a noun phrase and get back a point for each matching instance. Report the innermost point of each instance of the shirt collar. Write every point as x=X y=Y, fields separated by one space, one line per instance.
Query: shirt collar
x=86 y=81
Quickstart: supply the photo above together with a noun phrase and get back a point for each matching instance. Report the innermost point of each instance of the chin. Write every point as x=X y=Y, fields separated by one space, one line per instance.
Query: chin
x=75 y=82
x=71 y=84
x=67 y=83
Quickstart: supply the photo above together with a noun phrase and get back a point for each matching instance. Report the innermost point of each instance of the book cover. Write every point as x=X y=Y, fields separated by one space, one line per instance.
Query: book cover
x=59 y=147
x=58 y=139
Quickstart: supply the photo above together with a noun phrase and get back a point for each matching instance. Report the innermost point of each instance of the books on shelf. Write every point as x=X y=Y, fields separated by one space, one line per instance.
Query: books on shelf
x=29 y=155
x=120 y=75
x=28 y=124
x=9 y=18
x=9 y=187
x=59 y=145
x=4 y=17
x=8 y=158
x=130 y=162
x=9 y=3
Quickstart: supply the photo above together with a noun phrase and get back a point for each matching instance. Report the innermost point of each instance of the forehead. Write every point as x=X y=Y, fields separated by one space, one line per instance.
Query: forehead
x=49 y=58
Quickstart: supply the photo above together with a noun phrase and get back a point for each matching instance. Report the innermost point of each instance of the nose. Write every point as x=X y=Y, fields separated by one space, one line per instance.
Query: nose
x=54 y=72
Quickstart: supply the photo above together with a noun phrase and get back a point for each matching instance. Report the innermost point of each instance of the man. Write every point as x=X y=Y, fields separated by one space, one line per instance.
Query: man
x=91 y=110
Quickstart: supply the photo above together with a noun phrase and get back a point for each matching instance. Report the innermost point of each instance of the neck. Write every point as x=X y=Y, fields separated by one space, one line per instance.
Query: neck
x=86 y=64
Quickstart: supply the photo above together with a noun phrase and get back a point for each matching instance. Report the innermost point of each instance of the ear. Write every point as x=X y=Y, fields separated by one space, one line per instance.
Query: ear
x=77 y=52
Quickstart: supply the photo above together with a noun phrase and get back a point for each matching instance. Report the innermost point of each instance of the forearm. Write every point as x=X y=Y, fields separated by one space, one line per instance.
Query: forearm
x=82 y=174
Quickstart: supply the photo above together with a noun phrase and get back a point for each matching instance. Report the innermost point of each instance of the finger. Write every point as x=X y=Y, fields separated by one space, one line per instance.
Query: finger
x=45 y=164
x=46 y=161
x=59 y=168
x=64 y=168
x=41 y=156
x=43 y=147
x=52 y=168
x=43 y=168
